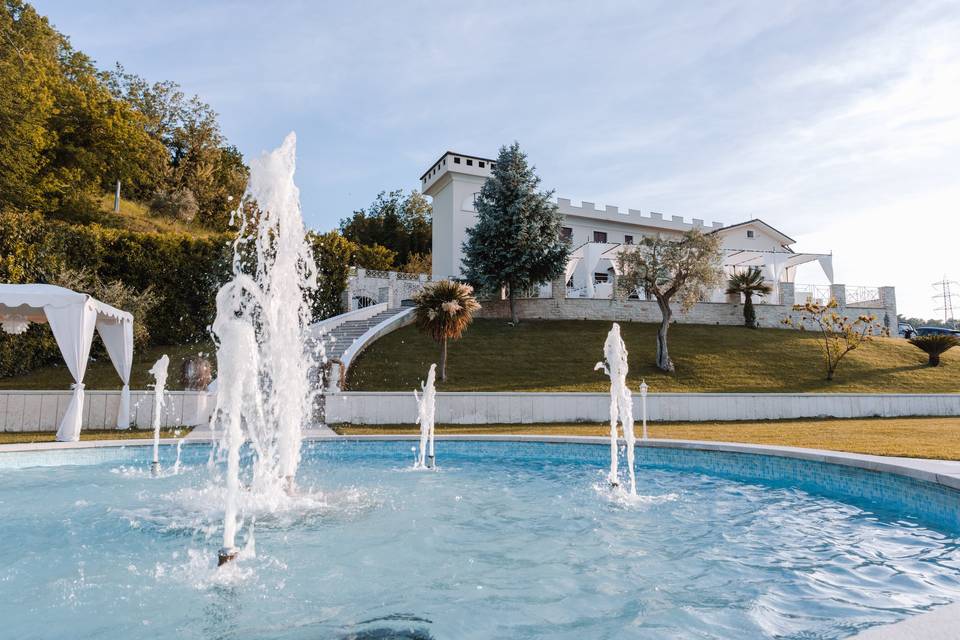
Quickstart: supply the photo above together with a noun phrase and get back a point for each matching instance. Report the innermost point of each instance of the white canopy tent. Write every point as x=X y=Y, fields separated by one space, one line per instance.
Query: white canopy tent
x=73 y=317
x=775 y=263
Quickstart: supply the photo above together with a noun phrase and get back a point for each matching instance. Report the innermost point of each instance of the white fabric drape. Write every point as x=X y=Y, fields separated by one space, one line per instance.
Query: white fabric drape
x=72 y=327
x=73 y=317
x=826 y=263
x=118 y=339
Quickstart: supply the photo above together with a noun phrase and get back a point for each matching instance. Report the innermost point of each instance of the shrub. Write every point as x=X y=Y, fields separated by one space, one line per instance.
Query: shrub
x=935 y=346
x=838 y=334
x=176 y=203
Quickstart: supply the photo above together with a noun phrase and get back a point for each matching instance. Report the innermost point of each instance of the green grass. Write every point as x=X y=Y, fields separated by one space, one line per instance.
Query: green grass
x=24 y=437
x=559 y=355
x=907 y=437
x=102 y=376
x=136 y=216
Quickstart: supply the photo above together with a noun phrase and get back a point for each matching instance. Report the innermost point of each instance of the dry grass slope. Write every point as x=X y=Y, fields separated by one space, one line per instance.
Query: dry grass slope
x=559 y=356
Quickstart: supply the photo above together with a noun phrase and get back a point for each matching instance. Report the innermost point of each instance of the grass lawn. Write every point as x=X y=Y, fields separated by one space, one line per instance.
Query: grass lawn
x=101 y=374
x=909 y=437
x=91 y=434
x=558 y=355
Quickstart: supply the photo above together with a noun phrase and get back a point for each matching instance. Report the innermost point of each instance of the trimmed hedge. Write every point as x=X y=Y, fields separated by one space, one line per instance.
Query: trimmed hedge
x=185 y=272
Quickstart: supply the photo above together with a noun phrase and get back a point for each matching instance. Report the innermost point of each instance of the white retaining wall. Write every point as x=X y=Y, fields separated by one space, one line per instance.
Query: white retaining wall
x=43 y=410
x=499 y=408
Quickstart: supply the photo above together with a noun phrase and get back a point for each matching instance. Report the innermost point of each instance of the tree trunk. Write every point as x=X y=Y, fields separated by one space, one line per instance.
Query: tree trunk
x=513 y=308
x=664 y=363
x=934 y=359
x=749 y=315
x=443 y=360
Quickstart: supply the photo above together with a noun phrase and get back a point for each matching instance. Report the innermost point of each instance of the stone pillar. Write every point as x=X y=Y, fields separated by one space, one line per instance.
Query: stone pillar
x=558 y=288
x=839 y=293
x=788 y=295
x=393 y=297
x=888 y=298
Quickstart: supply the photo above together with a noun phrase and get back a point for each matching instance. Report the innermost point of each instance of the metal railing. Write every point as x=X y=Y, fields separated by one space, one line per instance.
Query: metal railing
x=859 y=296
x=814 y=293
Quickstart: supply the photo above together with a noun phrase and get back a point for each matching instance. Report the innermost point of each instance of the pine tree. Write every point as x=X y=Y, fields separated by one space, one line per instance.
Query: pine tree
x=516 y=242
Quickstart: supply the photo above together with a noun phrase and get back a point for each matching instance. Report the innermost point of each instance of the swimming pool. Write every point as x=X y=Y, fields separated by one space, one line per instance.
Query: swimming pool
x=504 y=540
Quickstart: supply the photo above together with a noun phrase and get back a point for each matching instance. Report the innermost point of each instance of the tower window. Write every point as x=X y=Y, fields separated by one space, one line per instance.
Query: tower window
x=749 y=233
x=456 y=160
x=482 y=164
x=469 y=162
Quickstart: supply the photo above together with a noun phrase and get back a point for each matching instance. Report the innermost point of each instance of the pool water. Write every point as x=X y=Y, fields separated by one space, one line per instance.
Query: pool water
x=504 y=540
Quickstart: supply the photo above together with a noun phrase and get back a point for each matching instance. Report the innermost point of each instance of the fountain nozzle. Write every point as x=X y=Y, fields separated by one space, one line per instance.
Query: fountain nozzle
x=154 y=468
x=226 y=554
x=431 y=462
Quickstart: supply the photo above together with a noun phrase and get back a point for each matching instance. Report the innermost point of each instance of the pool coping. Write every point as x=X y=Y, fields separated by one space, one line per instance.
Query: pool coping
x=939 y=623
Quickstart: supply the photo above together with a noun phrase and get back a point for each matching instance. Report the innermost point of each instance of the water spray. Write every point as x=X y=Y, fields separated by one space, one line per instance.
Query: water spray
x=614 y=365
x=426 y=409
x=159 y=372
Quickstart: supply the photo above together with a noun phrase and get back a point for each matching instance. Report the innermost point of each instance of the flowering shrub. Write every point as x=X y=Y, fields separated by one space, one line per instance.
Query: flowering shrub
x=839 y=335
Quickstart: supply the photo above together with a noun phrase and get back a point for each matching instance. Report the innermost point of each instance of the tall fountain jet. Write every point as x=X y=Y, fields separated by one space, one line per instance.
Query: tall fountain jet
x=426 y=408
x=621 y=402
x=159 y=373
x=264 y=391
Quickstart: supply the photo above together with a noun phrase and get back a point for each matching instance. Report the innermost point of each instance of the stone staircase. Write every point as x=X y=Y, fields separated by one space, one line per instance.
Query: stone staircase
x=340 y=339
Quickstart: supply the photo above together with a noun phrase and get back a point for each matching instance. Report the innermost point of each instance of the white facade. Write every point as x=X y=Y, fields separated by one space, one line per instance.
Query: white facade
x=597 y=235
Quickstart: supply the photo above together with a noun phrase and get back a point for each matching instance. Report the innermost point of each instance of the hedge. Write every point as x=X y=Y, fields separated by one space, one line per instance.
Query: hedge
x=185 y=272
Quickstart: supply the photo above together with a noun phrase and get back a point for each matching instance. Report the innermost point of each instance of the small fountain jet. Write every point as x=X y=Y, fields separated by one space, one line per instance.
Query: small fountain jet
x=426 y=407
x=159 y=373
x=621 y=403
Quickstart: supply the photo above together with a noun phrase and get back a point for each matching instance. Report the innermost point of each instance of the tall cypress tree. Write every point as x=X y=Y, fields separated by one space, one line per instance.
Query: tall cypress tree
x=516 y=241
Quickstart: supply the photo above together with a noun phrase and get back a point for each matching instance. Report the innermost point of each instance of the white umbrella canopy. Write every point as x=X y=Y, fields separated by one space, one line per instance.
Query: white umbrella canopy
x=73 y=317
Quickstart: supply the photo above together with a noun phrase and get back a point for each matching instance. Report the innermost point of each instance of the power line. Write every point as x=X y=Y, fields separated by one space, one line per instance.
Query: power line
x=946 y=298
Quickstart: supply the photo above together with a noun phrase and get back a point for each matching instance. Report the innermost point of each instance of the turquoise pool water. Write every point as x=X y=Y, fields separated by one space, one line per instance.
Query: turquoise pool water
x=505 y=540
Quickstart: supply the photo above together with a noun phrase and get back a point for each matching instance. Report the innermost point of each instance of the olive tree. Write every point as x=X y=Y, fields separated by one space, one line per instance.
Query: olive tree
x=671 y=269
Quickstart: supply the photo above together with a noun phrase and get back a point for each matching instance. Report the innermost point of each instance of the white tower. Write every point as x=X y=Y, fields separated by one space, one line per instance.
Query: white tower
x=453 y=181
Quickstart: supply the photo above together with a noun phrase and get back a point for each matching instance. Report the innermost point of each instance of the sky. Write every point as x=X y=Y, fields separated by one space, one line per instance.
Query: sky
x=836 y=122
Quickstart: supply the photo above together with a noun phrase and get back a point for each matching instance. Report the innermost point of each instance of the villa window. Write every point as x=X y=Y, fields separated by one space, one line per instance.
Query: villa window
x=456 y=160
x=469 y=162
x=481 y=164
x=599 y=236
x=600 y=278
x=627 y=239
x=566 y=234
x=749 y=233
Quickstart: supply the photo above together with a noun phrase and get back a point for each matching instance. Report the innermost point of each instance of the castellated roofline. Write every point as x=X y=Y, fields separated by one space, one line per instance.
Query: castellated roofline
x=631 y=216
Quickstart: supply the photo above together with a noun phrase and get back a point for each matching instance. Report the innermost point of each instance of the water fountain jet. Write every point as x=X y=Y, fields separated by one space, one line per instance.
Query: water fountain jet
x=159 y=373
x=621 y=403
x=426 y=409
x=264 y=389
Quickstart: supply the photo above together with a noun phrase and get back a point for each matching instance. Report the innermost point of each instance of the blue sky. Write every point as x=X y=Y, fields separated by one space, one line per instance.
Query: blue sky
x=837 y=122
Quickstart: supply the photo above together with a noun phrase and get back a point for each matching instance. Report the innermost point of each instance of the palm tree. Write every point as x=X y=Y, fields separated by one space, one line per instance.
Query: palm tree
x=749 y=283
x=935 y=345
x=444 y=309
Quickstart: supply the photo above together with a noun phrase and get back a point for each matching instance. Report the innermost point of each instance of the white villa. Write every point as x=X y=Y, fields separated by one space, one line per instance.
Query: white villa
x=597 y=236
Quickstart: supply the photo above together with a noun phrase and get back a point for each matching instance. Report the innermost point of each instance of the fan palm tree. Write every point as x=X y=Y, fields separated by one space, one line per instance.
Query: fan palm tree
x=444 y=309
x=749 y=283
x=935 y=345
